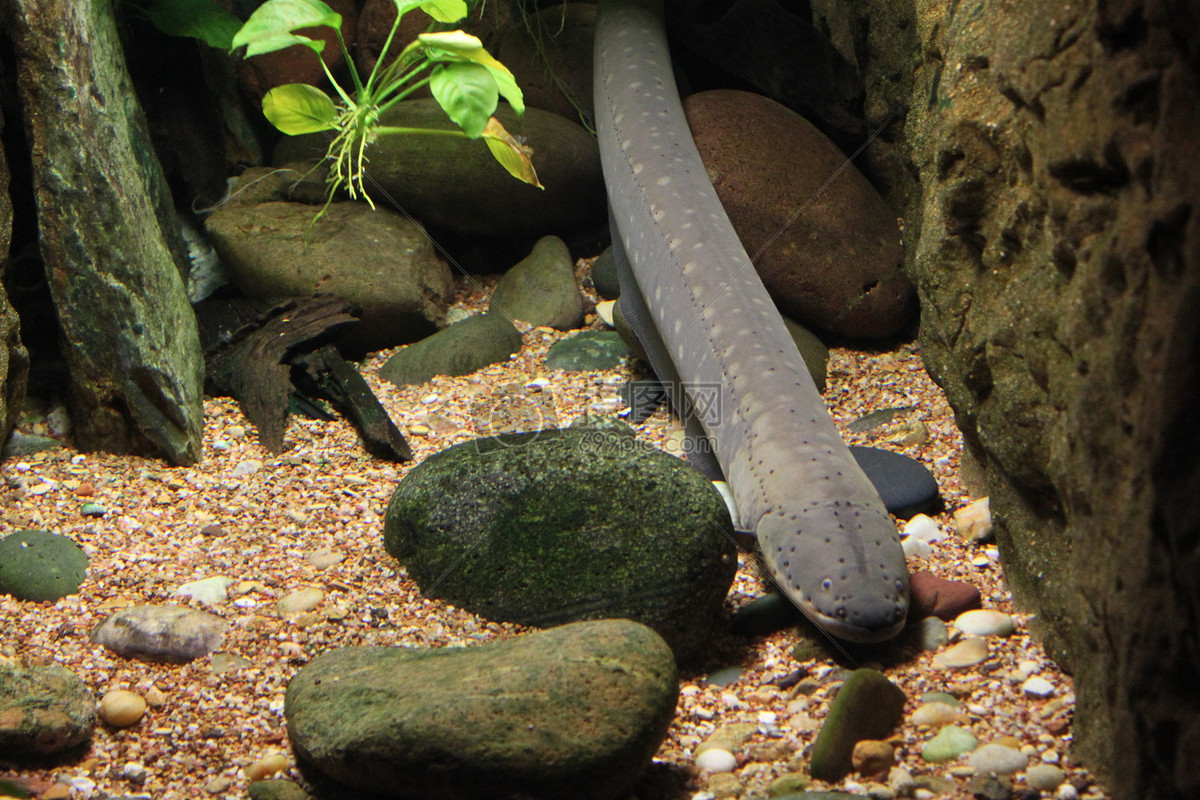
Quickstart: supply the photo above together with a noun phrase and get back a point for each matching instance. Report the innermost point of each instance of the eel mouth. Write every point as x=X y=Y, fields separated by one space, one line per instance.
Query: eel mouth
x=851 y=633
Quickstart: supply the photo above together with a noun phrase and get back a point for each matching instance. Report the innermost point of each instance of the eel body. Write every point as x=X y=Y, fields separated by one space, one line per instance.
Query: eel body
x=711 y=330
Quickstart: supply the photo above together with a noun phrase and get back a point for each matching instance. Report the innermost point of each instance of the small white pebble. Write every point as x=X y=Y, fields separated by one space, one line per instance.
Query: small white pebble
x=1066 y=792
x=767 y=718
x=916 y=548
x=1050 y=757
x=1038 y=687
x=730 y=700
x=715 y=759
x=923 y=527
x=924 y=794
x=1027 y=668
x=429 y=399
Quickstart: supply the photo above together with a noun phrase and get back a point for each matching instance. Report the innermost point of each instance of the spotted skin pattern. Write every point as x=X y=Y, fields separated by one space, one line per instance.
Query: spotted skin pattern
x=706 y=320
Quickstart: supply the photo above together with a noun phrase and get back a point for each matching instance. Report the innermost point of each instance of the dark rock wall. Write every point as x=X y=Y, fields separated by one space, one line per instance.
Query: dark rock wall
x=14 y=360
x=1055 y=242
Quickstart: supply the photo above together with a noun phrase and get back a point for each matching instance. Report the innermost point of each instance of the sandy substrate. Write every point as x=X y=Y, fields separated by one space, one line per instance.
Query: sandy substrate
x=313 y=517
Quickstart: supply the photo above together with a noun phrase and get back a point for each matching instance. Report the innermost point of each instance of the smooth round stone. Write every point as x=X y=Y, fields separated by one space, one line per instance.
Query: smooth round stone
x=1038 y=687
x=872 y=757
x=997 y=759
x=949 y=743
x=715 y=759
x=299 y=601
x=905 y=485
x=267 y=766
x=935 y=714
x=120 y=708
x=587 y=351
x=931 y=634
x=966 y=653
x=1044 y=777
x=974 y=521
x=985 y=622
x=924 y=528
x=916 y=548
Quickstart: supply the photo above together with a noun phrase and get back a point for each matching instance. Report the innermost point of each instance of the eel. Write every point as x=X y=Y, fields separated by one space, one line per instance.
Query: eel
x=714 y=335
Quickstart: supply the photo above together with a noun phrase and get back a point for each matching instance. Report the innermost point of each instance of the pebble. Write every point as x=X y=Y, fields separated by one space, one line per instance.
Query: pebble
x=716 y=759
x=966 y=653
x=1044 y=777
x=996 y=759
x=324 y=559
x=916 y=548
x=267 y=766
x=120 y=708
x=985 y=622
x=218 y=784
x=209 y=591
x=974 y=521
x=1038 y=687
x=93 y=510
x=923 y=527
x=931 y=634
x=300 y=601
x=872 y=757
x=939 y=597
x=161 y=633
x=247 y=467
x=949 y=743
x=935 y=714
x=901 y=782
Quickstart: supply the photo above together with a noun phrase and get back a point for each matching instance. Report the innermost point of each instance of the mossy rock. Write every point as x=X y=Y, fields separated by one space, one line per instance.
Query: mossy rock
x=462 y=348
x=561 y=525
x=40 y=565
x=587 y=351
x=868 y=706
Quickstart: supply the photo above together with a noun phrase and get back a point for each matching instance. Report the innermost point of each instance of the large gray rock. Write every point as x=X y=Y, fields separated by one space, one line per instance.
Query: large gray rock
x=540 y=289
x=108 y=236
x=1058 y=259
x=378 y=260
x=459 y=349
x=558 y=525
x=453 y=183
x=576 y=711
x=825 y=243
x=43 y=710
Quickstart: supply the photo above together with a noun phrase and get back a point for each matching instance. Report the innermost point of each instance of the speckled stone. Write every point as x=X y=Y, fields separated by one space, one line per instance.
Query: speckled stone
x=997 y=759
x=966 y=653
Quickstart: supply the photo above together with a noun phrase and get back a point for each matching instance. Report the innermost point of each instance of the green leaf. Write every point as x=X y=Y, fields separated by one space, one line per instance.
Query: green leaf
x=460 y=46
x=466 y=92
x=297 y=108
x=270 y=26
x=440 y=10
x=512 y=155
x=201 y=19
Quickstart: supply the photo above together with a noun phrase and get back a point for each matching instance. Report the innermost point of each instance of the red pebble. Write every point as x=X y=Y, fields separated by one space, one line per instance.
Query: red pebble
x=931 y=596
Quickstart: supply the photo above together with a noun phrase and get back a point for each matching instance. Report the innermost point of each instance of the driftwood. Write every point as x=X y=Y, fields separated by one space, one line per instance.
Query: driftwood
x=252 y=354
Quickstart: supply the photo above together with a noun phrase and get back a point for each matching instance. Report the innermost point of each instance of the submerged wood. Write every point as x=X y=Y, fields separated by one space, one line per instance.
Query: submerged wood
x=128 y=333
x=253 y=353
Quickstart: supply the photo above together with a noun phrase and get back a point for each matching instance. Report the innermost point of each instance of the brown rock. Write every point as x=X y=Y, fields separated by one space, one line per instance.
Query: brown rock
x=298 y=63
x=831 y=254
x=931 y=596
x=872 y=757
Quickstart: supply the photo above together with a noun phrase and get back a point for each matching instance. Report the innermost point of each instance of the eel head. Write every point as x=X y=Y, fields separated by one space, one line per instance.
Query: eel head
x=841 y=564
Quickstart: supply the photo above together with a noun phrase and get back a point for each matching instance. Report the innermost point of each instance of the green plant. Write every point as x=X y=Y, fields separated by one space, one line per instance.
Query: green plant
x=464 y=78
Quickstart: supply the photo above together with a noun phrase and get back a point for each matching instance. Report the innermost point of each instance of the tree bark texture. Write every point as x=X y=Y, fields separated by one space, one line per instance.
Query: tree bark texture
x=129 y=334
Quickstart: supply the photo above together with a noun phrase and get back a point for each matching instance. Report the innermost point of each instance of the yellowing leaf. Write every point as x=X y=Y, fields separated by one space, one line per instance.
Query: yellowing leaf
x=461 y=46
x=512 y=155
